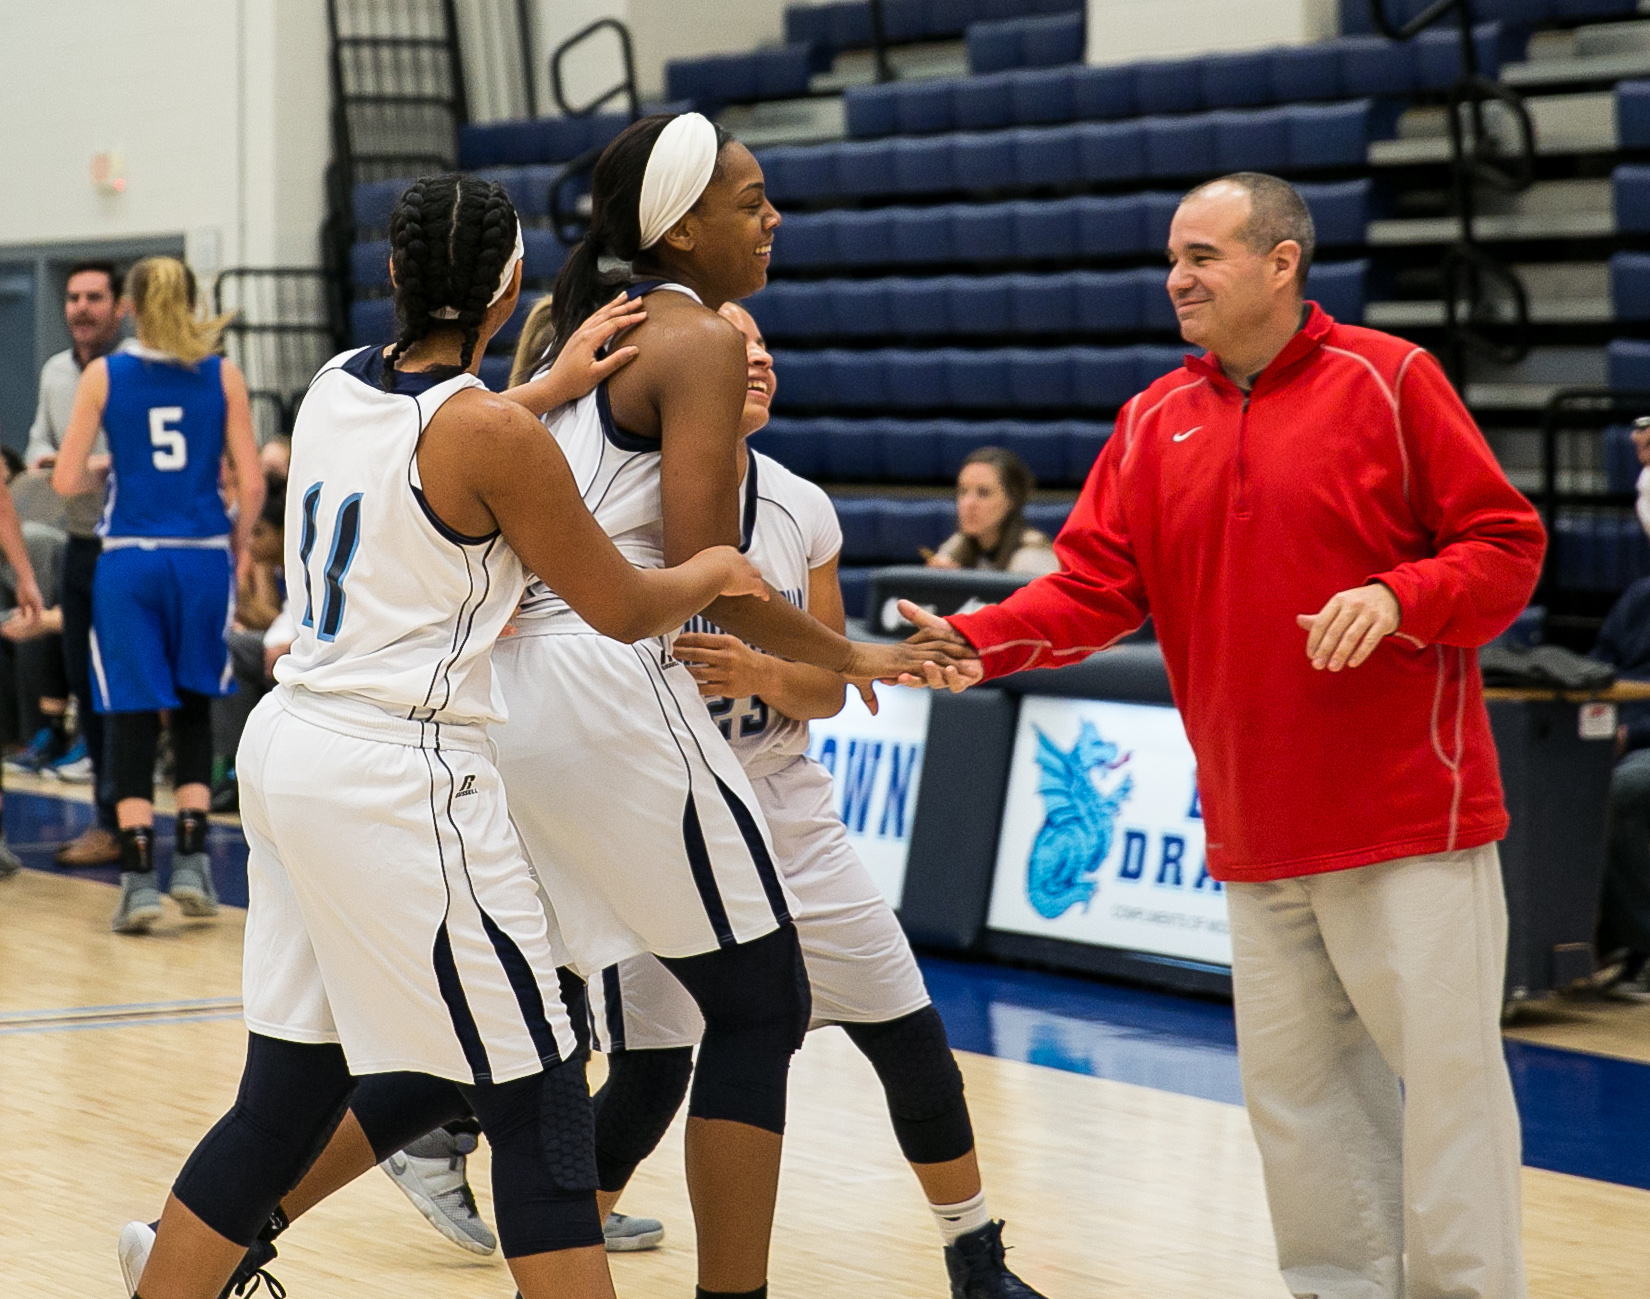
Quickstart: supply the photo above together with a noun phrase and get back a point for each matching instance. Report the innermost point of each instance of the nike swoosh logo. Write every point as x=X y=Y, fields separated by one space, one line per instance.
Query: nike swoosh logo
x=1181 y=437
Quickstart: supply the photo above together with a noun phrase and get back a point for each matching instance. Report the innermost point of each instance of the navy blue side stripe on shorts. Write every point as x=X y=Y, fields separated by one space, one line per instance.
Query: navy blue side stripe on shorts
x=458 y=1007
x=526 y=988
x=758 y=850
x=704 y=877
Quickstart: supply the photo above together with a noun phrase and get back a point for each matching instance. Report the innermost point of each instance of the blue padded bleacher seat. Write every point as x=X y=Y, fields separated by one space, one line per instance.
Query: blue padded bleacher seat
x=1155 y=361
x=855 y=581
x=1101 y=93
x=984 y=162
x=858 y=517
x=1042 y=304
x=1044 y=156
x=871 y=111
x=1158 y=211
x=863 y=238
x=806 y=239
x=923 y=106
x=511 y=329
x=1044 y=231
x=922 y=235
x=371 y=320
x=1633 y=114
x=807 y=171
x=1041 y=96
x=864 y=167
x=958 y=439
x=1107 y=302
x=1630 y=363
x=1111 y=226
x=1374 y=65
x=851 y=451
x=1438 y=54
x=909 y=451
x=1041 y=446
x=1048 y=517
x=919 y=380
x=921 y=308
x=1156 y=308
x=1340 y=210
x=1630 y=185
x=1041 y=378
x=1329 y=135
x=530 y=189
x=995 y=46
x=1052 y=41
x=807 y=381
x=1621 y=459
x=1238 y=80
x=1340 y=288
x=794 y=443
x=982 y=233
x=1251 y=141
x=1110 y=151
x=924 y=166
x=1104 y=377
x=369 y=262
x=372 y=201
x=782 y=73
x=860 y=308
x=1629 y=285
x=979 y=305
x=1305 y=72
x=905 y=527
x=977 y=380
x=849 y=25
x=859 y=380
x=982 y=103
x=1083 y=443
x=1168 y=86
x=1179 y=146
x=543 y=255
x=495 y=372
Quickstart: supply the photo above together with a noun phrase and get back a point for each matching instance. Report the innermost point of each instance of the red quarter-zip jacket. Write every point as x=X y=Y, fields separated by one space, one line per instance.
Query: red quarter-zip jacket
x=1225 y=515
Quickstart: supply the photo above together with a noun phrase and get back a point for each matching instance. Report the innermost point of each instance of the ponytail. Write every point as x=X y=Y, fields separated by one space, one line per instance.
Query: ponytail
x=534 y=344
x=162 y=291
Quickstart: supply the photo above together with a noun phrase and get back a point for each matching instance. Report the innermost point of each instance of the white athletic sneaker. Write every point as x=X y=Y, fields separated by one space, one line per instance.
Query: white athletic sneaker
x=430 y=1173
x=624 y=1234
x=136 y=1240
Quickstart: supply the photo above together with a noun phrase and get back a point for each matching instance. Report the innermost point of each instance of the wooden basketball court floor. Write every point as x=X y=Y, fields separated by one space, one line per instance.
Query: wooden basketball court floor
x=1121 y=1163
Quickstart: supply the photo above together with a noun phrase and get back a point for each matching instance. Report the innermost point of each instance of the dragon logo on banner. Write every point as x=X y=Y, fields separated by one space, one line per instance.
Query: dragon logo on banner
x=1076 y=833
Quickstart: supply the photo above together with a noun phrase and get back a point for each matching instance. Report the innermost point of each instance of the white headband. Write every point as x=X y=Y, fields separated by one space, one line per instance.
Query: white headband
x=678 y=170
x=451 y=313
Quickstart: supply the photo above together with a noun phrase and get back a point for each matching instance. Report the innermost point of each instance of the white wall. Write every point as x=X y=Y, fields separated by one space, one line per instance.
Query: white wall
x=220 y=108
x=1120 y=31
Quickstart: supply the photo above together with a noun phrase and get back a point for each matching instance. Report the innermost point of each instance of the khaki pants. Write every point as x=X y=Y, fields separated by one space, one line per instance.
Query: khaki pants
x=1368 y=1021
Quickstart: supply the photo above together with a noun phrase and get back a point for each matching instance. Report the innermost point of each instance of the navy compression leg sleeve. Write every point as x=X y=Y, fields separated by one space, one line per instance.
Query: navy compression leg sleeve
x=924 y=1087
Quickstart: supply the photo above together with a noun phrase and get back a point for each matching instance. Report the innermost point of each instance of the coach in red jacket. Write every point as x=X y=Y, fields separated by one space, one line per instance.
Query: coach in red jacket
x=1324 y=539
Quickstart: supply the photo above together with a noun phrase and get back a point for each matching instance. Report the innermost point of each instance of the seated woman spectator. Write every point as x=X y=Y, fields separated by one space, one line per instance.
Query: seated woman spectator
x=992 y=489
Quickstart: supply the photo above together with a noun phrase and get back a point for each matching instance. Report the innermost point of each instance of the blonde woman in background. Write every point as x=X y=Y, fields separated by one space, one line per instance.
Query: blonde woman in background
x=993 y=487
x=161 y=601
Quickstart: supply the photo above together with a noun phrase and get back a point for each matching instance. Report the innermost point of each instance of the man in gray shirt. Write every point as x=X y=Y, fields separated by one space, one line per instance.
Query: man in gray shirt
x=92 y=308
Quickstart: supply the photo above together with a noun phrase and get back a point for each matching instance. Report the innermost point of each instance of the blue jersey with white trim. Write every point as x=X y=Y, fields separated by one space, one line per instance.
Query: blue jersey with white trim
x=392 y=605
x=165 y=423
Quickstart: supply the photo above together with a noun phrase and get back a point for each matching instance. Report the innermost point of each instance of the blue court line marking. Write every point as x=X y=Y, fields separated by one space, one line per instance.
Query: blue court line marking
x=117 y=1023
x=64 y=1012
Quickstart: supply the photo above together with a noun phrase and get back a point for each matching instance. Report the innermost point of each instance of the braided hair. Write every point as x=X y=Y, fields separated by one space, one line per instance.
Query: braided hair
x=615 y=233
x=450 y=237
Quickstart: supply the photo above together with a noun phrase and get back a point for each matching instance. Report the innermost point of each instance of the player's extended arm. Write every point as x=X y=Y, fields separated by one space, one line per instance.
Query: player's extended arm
x=696 y=377
x=726 y=666
x=486 y=463
x=69 y=475
x=241 y=446
x=29 y=603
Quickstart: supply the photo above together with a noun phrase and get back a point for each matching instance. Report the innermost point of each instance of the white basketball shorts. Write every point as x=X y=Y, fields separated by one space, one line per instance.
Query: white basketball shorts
x=636 y=815
x=859 y=962
x=392 y=908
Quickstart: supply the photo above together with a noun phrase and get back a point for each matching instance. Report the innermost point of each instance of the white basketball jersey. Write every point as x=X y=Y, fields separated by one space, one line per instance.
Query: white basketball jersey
x=617 y=475
x=391 y=604
x=790 y=528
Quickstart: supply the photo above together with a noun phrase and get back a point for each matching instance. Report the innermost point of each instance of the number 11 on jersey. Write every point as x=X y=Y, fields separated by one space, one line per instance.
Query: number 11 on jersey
x=346 y=538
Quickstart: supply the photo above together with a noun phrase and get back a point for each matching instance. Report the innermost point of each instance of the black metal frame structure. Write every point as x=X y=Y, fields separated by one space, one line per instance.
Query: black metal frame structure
x=1471 y=275
x=284 y=328
x=565 y=218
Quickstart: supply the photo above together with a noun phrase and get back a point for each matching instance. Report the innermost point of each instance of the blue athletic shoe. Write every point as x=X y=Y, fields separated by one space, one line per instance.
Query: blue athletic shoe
x=76 y=754
x=41 y=751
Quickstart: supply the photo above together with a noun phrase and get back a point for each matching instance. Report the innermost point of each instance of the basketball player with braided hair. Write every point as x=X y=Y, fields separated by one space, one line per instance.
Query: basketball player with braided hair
x=394 y=921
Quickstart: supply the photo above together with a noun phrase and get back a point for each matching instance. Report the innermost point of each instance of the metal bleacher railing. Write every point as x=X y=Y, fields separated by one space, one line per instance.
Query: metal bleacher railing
x=568 y=219
x=285 y=326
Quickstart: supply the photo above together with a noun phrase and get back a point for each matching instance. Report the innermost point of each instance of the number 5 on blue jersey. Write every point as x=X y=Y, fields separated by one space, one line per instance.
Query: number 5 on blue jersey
x=346 y=537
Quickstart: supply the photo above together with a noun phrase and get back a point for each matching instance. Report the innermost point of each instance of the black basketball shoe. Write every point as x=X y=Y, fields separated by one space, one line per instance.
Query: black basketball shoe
x=978 y=1270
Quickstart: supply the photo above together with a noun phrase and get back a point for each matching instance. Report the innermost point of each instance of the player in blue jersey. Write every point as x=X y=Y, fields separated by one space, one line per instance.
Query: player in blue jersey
x=164 y=590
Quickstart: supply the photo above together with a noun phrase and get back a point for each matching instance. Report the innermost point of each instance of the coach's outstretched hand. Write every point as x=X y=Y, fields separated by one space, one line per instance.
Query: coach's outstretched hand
x=580 y=366
x=942 y=657
x=1346 y=631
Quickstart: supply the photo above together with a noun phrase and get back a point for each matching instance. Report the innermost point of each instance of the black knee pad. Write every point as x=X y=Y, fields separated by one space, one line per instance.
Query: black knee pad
x=192 y=739
x=755 y=1000
x=634 y=1108
x=291 y=1098
x=924 y=1087
x=542 y=1130
x=133 y=739
x=395 y=1109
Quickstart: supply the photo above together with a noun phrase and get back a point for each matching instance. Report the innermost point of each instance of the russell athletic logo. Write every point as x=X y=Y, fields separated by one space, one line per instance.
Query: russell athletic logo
x=1076 y=833
x=467 y=788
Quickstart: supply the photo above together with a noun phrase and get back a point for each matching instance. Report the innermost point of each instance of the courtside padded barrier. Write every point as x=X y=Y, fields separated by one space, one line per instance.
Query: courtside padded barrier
x=1073 y=303
x=1297 y=138
x=1350 y=67
x=1355 y=16
x=830 y=28
x=1044 y=42
x=1021 y=231
x=1058 y=452
x=895 y=531
x=953 y=378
